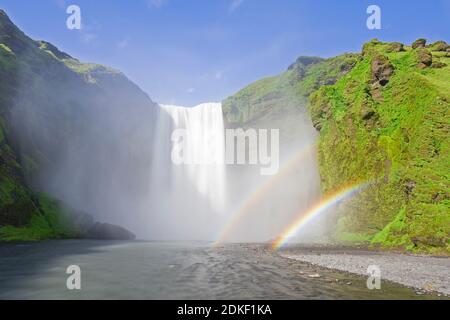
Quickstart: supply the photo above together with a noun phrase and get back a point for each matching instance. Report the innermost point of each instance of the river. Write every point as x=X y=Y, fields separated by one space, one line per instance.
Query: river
x=171 y=270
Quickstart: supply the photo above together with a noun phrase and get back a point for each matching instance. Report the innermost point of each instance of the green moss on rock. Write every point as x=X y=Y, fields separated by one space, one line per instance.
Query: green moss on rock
x=402 y=148
x=51 y=220
x=46 y=99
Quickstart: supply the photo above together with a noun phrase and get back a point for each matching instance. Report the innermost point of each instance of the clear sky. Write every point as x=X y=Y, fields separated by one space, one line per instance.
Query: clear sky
x=191 y=51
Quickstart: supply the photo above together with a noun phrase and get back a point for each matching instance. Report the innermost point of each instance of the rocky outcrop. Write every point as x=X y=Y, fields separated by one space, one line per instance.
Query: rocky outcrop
x=419 y=43
x=438 y=64
x=424 y=58
x=395 y=47
x=440 y=46
x=382 y=70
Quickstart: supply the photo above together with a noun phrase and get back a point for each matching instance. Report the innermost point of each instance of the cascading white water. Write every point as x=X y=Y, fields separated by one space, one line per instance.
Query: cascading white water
x=189 y=195
x=204 y=148
x=200 y=198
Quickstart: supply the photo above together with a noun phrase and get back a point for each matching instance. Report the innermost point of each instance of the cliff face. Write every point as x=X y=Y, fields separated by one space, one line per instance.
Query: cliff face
x=387 y=122
x=60 y=121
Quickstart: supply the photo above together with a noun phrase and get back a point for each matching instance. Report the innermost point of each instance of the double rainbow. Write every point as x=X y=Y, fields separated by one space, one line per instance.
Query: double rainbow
x=319 y=208
x=260 y=192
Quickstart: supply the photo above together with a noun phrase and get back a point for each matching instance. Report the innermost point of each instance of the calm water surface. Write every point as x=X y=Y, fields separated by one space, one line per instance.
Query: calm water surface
x=155 y=270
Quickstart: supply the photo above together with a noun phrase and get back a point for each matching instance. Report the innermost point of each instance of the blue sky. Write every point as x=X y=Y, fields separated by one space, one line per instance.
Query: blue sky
x=191 y=51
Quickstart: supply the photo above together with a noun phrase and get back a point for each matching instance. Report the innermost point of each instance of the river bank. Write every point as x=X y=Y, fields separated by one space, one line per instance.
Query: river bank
x=423 y=273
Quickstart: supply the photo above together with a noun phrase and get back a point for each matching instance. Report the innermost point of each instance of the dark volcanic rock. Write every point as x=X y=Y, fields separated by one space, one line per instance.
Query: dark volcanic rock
x=106 y=231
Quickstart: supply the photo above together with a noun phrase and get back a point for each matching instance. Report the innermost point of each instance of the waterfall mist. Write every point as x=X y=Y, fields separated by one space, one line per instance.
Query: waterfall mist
x=207 y=199
x=117 y=165
x=106 y=150
x=263 y=206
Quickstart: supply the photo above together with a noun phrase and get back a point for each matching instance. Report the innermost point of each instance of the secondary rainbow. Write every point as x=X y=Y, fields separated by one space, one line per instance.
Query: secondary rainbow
x=259 y=193
x=322 y=206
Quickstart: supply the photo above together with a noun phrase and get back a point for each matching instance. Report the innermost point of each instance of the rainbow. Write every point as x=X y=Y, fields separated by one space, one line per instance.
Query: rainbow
x=260 y=192
x=322 y=206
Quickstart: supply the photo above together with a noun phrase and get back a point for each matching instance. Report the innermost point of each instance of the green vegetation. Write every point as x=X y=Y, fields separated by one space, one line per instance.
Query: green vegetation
x=79 y=67
x=25 y=66
x=6 y=57
x=286 y=93
x=47 y=98
x=388 y=121
x=52 y=221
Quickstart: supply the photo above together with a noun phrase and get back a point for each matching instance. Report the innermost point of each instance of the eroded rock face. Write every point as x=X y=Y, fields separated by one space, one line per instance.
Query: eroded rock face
x=106 y=231
x=382 y=70
x=396 y=47
x=419 y=43
x=425 y=58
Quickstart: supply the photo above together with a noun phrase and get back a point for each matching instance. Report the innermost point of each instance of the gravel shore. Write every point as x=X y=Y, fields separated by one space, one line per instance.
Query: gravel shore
x=421 y=272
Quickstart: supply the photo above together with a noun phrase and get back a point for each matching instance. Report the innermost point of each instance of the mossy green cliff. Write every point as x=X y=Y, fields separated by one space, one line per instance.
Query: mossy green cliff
x=387 y=122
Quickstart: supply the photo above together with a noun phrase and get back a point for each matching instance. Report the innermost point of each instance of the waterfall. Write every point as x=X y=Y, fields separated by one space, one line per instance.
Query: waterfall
x=189 y=195
x=201 y=198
